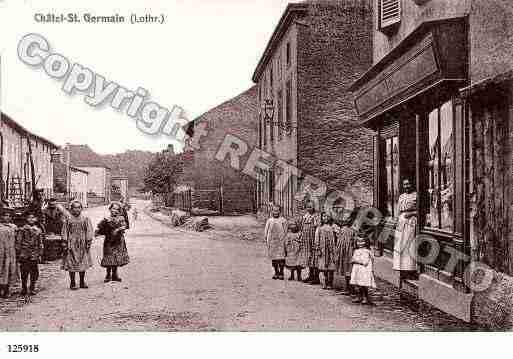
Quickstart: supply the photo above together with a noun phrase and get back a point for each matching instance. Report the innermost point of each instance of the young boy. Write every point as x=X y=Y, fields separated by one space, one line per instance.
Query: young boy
x=8 y=266
x=29 y=249
x=292 y=250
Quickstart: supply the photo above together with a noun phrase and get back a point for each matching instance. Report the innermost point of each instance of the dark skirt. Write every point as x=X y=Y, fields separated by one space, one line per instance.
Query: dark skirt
x=115 y=253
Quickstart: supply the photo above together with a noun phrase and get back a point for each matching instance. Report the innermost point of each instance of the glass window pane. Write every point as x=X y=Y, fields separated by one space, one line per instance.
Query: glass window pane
x=432 y=218
x=388 y=168
x=395 y=173
x=447 y=166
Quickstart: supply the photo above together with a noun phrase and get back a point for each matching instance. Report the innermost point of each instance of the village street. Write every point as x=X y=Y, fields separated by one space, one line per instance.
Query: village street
x=184 y=281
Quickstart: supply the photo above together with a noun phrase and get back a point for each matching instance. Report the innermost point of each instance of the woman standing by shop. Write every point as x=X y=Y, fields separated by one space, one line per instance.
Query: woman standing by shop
x=115 y=253
x=404 y=245
x=308 y=255
x=77 y=236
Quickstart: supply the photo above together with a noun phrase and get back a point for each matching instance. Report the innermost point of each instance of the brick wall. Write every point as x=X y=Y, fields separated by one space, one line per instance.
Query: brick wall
x=237 y=117
x=334 y=50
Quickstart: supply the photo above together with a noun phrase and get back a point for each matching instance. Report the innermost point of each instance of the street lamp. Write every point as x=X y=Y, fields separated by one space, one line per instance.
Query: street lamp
x=269 y=117
x=268 y=111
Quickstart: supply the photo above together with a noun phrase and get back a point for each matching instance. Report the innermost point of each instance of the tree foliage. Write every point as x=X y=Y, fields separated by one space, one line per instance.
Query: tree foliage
x=132 y=164
x=163 y=172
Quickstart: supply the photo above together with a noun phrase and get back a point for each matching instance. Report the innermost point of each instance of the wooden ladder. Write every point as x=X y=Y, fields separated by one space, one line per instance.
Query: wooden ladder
x=16 y=197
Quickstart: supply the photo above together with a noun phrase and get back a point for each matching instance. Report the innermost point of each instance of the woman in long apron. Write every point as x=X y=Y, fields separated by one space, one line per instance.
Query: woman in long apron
x=404 y=245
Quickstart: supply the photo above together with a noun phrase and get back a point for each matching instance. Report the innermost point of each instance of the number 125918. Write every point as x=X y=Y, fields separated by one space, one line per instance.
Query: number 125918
x=23 y=348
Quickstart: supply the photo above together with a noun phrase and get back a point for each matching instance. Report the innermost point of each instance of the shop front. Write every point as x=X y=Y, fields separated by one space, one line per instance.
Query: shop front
x=411 y=99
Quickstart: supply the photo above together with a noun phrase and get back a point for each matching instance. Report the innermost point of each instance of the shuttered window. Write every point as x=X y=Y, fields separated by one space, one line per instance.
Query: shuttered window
x=390 y=12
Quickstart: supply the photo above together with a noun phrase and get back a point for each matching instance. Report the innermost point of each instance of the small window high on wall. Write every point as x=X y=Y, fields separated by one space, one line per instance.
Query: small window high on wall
x=389 y=13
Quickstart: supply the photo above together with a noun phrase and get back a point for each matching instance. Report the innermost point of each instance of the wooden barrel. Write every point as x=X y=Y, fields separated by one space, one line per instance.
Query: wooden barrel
x=52 y=247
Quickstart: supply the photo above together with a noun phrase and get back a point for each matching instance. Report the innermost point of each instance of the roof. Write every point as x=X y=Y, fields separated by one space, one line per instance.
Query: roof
x=76 y=169
x=490 y=81
x=17 y=127
x=84 y=156
x=189 y=128
x=286 y=19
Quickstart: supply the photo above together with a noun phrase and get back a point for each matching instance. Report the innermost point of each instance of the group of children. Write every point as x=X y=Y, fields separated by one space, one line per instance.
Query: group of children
x=333 y=249
x=21 y=251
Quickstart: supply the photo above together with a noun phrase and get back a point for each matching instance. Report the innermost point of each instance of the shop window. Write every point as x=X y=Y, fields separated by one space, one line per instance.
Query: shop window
x=392 y=176
x=440 y=214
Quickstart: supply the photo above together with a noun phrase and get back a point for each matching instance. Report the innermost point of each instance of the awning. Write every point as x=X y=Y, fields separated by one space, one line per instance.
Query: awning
x=434 y=54
x=484 y=84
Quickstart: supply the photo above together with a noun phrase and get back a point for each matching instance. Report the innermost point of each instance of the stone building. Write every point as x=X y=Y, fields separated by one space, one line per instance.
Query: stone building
x=216 y=185
x=16 y=172
x=99 y=178
x=307 y=117
x=439 y=96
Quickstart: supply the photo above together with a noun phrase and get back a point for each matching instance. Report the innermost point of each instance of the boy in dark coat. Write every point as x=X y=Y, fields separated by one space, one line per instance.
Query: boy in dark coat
x=29 y=249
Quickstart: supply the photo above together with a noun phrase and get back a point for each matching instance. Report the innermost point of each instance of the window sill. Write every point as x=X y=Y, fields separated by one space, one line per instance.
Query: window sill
x=439 y=234
x=389 y=29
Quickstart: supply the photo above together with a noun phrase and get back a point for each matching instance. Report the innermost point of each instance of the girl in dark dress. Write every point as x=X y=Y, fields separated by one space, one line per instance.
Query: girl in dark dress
x=115 y=253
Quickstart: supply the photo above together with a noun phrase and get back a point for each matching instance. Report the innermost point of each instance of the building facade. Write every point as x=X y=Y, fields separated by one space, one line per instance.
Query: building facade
x=307 y=118
x=17 y=173
x=99 y=174
x=74 y=188
x=119 y=188
x=438 y=97
x=216 y=185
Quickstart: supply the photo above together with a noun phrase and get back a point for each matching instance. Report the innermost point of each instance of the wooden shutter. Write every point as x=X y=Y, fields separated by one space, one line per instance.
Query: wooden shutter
x=390 y=12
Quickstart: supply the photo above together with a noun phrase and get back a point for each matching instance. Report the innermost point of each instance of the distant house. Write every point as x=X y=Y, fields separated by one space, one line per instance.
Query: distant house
x=99 y=179
x=16 y=172
x=78 y=183
x=119 y=188
x=216 y=185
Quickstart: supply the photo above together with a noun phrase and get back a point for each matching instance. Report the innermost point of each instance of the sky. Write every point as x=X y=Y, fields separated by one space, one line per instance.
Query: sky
x=204 y=54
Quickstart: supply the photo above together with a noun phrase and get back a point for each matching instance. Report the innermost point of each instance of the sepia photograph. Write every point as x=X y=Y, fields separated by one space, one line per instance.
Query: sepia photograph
x=317 y=166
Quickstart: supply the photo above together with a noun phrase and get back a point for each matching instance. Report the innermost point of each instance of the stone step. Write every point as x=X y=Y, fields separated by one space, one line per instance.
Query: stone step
x=410 y=288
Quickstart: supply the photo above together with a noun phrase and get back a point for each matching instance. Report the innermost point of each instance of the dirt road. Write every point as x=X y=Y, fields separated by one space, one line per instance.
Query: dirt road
x=187 y=282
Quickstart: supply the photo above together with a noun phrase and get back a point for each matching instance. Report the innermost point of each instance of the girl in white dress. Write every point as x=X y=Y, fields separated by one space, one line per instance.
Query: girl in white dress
x=362 y=273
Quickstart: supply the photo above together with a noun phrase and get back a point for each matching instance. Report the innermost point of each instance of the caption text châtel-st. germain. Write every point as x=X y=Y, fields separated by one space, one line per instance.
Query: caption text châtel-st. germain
x=57 y=18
